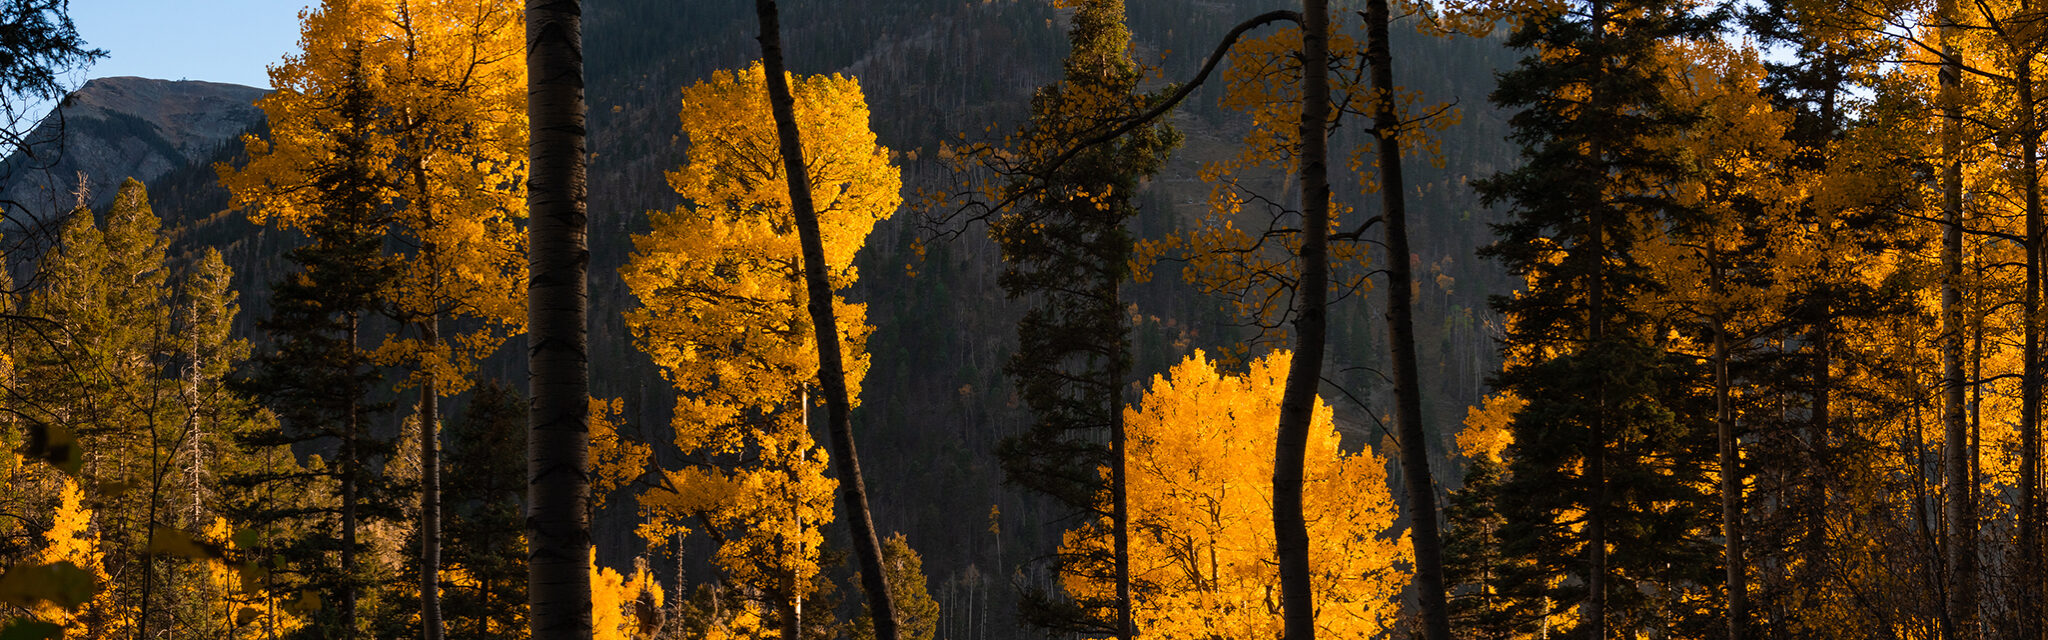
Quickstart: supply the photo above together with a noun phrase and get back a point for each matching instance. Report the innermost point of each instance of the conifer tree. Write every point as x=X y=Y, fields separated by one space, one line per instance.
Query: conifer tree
x=486 y=499
x=1067 y=251
x=1810 y=458
x=445 y=88
x=100 y=378
x=1608 y=431
x=319 y=378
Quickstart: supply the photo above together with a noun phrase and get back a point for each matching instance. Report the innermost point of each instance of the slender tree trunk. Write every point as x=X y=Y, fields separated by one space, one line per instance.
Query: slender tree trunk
x=557 y=304
x=1962 y=530
x=1596 y=459
x=429 y=414
x=351 y=476
x=1731 y=474
x=1822 y=338
x=1311 y=294
x=2031 y=560
x=1120 y=501
x=1820 y=433
x=1415 y=468
x=430 y=491
x=1596 y=334
x=791 y=609
x=831 y=364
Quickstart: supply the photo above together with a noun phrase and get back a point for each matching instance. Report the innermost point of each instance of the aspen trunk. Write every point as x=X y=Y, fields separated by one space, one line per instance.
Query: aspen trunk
x=557 y=308
x=1305 y=373
x=1420 y=483
x=430 y=492
x=1731 y=476
x=1962 y=530
x=2031 y=559
x=831 y=365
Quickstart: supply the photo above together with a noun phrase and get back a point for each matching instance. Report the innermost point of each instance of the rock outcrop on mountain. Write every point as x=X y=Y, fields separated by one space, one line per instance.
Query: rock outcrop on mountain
x=122 y=127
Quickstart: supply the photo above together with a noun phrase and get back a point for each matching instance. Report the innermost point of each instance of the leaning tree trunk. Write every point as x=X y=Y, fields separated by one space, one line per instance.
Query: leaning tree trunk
x=1415 y=471
x=1962 y=513
x=1305 y=373
x=557 y=303
x=831 y=365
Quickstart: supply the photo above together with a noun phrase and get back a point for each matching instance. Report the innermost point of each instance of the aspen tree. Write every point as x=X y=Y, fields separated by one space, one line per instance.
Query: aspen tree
x=448 y=144
x=721 y=312
x=832 y=374
x=1201 y=450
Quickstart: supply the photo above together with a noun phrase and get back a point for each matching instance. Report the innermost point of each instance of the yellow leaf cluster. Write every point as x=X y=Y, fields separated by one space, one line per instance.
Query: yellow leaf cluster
x=622 y=607
x=72 y=539
x=255 y=612
x=1200 y=491
x=615 y=460
x=1486 y=434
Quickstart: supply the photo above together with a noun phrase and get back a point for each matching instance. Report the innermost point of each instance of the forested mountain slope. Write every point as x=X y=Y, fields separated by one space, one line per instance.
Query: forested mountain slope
x=117 y=128
x=936 y=400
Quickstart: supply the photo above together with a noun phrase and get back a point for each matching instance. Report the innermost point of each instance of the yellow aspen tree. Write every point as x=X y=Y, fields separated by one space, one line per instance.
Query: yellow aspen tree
x=1713 y=263
x=249 y=609
x=622 y=606
x=71 y=538
x=459 y=98
x=723 y=314
x=447 y=144
x=1201 y=513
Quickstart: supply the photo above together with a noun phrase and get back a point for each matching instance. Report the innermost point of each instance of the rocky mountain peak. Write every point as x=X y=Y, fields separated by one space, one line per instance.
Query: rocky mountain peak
x=122 y=127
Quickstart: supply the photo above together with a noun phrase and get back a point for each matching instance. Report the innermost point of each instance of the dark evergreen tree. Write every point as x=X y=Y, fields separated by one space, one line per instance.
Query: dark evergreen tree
x=1602 y=502
x=1066 y=249
x=318 y=379
x=1473 y=560
x=485 y=497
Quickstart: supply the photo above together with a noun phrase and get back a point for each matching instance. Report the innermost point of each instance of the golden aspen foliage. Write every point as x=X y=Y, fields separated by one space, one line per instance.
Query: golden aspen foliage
x=623 y=607
x=440 y=129
x=1201 y=459
x=459 y=96
x=615 y=460
x=743 y=622
x=1486 y=434
x=71 y=538
x=719 y=280
x=344 y=46
x=1741 y=186
x=722 y=312
x=252 y=611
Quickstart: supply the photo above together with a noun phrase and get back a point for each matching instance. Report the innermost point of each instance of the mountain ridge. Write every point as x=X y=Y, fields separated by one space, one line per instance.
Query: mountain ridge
x=119 y=127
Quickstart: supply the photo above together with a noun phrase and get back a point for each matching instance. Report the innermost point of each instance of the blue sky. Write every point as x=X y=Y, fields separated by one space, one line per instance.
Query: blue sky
x=215 y=40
